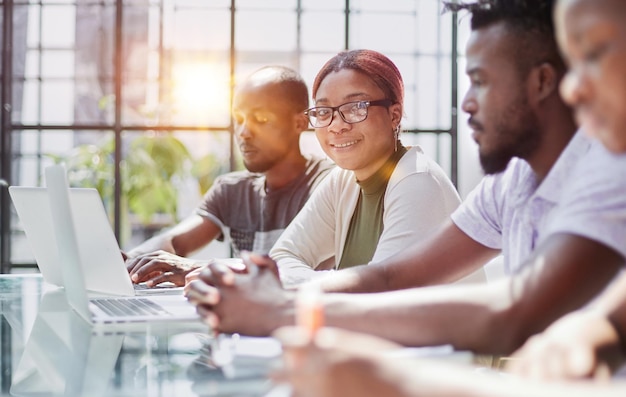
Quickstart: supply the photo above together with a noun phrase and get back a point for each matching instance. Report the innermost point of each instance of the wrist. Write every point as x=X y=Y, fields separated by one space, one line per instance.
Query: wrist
x=285 y=312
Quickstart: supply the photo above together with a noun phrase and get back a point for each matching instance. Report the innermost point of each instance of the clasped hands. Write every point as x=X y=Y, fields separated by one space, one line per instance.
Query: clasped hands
x=247 y=301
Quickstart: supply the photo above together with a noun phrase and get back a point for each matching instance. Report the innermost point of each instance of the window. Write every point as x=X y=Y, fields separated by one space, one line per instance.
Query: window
x=89 y=81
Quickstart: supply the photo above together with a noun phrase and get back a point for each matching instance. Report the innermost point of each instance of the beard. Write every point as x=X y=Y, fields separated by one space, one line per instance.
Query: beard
x=517 y=133
x=258 y=167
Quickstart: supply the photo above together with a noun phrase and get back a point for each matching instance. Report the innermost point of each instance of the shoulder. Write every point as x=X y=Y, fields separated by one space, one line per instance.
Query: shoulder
x=317 y=169
x=417 y=165
x=416 y=161
x=238 y=179
x=599 y=172
x=316 y=164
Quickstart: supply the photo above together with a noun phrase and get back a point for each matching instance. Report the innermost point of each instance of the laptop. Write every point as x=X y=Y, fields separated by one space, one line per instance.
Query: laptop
x=100 y=257
x=103 y=310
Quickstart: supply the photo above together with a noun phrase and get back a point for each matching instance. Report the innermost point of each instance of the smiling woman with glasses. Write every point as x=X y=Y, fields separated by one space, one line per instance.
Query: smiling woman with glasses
x=383 y=197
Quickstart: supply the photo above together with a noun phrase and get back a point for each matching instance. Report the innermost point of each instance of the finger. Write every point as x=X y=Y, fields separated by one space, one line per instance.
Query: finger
x=134 y=264
x=263 y=262
x=192 y=275
x=124 y=256
x=131 y=263
x=235 y=264
x=200 y=292
x=218 y=274
x=208 y=317
x=581 y=363
x=167 y=277
x=149 y=269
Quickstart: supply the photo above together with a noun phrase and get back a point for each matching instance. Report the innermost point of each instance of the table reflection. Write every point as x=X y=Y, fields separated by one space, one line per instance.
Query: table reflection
x=48 y=350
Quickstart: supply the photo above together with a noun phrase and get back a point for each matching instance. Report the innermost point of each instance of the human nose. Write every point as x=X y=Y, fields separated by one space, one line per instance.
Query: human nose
x=469 y=104
x=337 y=124
x=574 y=86
x=242 y=130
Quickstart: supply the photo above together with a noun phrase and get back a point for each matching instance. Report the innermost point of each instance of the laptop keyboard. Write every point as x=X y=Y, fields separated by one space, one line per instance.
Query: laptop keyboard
x=129 y=307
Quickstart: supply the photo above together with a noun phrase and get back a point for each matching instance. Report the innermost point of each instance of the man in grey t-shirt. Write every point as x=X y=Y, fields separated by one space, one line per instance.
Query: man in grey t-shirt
x=250 y=208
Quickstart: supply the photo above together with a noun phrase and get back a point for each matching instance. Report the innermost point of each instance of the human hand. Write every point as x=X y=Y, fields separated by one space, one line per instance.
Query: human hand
x=235 y=264
x=251 y=304
x=158 y=267
x=579 y=345
x=337 y=363
x=193 y=275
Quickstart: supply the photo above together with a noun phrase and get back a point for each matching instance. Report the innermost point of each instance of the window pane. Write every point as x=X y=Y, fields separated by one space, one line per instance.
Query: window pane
x=197 y=29
x=366 y=31
x=325 y=5
x=57 y=64
x=265 y=31
x=166 y=175
x=323 y=31
x=29 y=114
x=58 y=26
x=384 y=6
x=57 y=102
x=34 y=24
x=266 y=4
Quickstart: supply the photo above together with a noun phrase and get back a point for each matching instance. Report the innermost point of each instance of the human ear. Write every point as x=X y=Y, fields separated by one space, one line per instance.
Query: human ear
x=544 y=81
x=395 y=111
x=301 y=121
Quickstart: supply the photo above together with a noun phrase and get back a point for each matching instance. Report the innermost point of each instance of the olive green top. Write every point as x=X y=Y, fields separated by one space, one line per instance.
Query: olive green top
x=366 y=225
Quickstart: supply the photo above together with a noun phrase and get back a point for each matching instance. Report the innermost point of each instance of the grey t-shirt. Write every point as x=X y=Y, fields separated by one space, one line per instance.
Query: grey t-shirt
x=251 y=218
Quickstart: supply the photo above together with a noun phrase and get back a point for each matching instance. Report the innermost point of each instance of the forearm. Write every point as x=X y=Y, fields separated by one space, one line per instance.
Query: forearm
x=183 y=239
x=359 y=279
x=445 y=257
x=459 y=315
x=295 y=274
x=433 y=379
x=162 y=242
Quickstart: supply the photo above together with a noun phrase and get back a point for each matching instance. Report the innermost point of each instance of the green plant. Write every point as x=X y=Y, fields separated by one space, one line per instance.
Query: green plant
x=151 y=170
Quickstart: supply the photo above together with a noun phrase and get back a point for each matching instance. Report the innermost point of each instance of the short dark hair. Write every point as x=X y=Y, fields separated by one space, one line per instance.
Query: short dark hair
x=291 y=82
x=530 y=20
x=526 y=14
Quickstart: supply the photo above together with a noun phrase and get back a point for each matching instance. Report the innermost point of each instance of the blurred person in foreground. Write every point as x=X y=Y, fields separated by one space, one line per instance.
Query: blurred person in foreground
x=592 y=37
x=343 y=363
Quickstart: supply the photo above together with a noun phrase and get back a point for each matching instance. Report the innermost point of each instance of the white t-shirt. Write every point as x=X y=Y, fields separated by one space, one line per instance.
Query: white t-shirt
x=584 y=194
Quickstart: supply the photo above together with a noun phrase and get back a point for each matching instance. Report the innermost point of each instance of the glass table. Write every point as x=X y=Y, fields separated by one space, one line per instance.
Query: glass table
x=48 y=350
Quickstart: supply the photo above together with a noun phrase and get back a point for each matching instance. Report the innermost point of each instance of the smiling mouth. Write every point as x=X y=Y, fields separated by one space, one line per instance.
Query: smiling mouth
x=344 y=145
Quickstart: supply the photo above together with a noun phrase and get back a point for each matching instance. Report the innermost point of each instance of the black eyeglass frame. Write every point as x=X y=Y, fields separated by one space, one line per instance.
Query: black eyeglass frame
x=379 y=102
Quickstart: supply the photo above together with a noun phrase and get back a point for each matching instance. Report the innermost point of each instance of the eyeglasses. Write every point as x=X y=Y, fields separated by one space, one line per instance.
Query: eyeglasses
x=351 y=112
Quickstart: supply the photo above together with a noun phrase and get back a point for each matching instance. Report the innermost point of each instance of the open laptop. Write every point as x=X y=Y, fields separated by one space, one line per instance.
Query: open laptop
x=100 y=257
x=100 y=310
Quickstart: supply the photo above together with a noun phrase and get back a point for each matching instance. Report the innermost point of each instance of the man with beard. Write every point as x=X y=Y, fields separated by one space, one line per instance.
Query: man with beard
x=542 y=205
x=249 y=208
